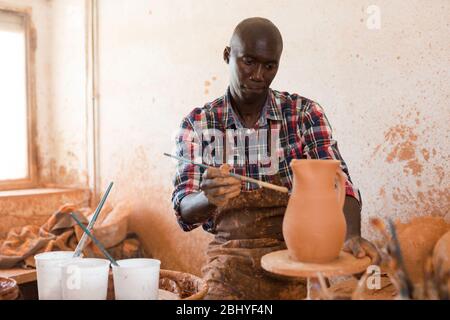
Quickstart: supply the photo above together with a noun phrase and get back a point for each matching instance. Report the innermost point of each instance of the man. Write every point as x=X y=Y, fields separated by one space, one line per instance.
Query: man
x=245 y=219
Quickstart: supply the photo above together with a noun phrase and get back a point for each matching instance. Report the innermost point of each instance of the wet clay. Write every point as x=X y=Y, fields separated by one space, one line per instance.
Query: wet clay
x=417 y=241
x=314 y=225
x=247 y=228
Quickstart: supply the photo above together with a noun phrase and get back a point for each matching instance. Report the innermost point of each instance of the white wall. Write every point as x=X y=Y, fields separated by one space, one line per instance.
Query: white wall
x=63 y=156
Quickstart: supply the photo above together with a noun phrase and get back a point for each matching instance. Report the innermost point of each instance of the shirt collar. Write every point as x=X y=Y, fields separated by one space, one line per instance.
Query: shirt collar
x=272 y=110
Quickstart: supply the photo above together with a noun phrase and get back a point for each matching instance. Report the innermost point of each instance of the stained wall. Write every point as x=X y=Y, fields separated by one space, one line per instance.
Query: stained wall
x=385 y=91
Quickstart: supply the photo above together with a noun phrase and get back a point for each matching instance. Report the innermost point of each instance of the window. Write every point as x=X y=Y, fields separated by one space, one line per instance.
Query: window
x=16 y=150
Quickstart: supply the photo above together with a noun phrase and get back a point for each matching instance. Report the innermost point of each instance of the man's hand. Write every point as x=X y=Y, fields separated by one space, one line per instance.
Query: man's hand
x=361 y=247
x=218 y=186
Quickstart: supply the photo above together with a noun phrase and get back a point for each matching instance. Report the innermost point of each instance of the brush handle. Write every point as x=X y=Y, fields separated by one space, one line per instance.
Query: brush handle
x=242 y=178
x=261 y=183
x=80 y=247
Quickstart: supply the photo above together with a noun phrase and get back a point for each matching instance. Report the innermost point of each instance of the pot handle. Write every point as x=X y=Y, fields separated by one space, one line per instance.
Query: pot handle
x=341 y=178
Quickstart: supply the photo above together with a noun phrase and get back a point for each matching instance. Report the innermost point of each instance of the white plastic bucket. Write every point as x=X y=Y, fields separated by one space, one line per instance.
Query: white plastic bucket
x=48 y=269
x=136 y=279
x=85 y=279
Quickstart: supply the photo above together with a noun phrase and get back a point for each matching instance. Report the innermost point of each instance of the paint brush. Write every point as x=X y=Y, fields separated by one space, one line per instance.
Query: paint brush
x=242 y=178
x=98 y=243
x=84 y=237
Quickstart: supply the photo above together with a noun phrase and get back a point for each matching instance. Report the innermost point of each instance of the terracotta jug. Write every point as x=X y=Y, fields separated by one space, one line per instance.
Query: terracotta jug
x=314 y=226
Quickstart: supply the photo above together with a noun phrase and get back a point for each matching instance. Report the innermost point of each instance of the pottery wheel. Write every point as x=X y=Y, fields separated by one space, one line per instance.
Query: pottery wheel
x=278 y=262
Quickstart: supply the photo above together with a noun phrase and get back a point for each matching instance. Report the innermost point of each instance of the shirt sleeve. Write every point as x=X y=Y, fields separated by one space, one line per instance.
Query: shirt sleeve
x=187 y=177
x=318 y=142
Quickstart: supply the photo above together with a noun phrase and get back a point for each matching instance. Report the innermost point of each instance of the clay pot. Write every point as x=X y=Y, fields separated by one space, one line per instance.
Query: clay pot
x=8 y=289
x=441 y=256
x=441 y=252
x=187 y=286
x=417 y=239
x=314 y=226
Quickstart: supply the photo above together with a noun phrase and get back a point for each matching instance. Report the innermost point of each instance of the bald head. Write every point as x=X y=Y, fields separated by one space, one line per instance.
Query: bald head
x=256 y=30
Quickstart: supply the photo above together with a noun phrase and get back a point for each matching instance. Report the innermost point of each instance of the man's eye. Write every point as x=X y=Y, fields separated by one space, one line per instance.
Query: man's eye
x=270 y=66
x=248 y=61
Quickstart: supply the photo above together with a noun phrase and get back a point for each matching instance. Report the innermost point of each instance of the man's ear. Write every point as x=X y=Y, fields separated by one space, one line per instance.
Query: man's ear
x=226 y=54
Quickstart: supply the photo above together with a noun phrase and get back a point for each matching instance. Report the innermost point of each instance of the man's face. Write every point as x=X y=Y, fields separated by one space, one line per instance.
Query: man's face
x=253 y=66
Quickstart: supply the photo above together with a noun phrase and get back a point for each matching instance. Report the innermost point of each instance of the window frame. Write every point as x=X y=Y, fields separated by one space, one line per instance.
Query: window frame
x=31 y=180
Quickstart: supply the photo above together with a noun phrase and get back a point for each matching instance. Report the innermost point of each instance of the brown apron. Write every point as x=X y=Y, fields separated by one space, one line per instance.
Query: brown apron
x=246 y=229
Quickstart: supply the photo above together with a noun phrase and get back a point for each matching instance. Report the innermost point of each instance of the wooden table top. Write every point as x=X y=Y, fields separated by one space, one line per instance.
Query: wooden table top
x=279 y=262
x=20 y=275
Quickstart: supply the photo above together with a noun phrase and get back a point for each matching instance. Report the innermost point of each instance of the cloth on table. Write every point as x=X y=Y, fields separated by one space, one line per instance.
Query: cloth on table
x=61 y=233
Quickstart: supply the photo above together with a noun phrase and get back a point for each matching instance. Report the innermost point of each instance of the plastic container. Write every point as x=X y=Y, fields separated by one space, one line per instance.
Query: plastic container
x=85 y=279
x=48 y=269
x=136 y=279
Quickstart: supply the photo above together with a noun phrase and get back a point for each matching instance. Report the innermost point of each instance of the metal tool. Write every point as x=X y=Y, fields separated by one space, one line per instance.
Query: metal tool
x=98 y=243
x=80 y=247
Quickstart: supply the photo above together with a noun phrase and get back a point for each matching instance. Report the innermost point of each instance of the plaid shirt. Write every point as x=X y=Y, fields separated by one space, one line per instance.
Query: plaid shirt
x=304 y=133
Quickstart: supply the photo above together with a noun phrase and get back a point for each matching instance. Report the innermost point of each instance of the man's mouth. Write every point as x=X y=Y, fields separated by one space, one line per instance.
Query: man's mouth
x=256 y=89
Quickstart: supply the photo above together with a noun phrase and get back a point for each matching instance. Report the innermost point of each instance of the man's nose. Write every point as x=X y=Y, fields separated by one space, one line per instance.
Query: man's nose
x=258 y=73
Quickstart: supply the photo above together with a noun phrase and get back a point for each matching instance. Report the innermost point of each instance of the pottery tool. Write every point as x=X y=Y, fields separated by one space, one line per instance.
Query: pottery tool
x=242 y=178
x=98 y=243
x=82 y=243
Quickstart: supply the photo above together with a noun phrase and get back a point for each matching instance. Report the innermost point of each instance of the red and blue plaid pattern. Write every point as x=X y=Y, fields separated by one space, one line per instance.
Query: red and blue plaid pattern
x=304 y=133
